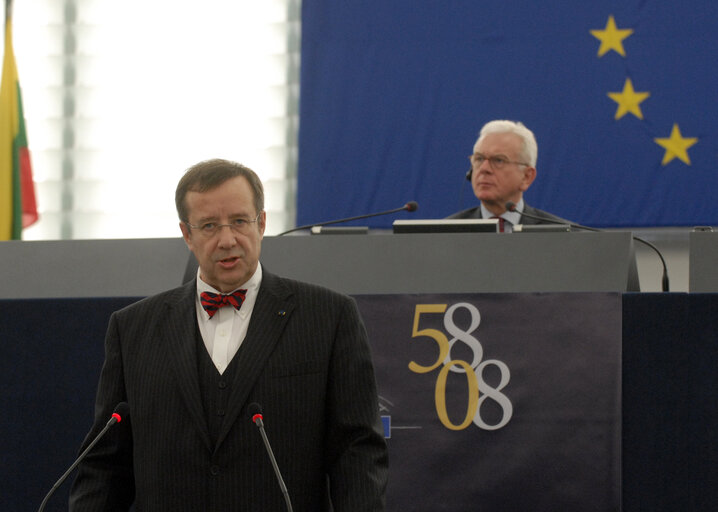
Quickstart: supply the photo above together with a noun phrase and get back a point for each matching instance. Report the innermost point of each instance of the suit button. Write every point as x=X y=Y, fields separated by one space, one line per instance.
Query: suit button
x=214 y=470
x=220 y=412
x=222 y=384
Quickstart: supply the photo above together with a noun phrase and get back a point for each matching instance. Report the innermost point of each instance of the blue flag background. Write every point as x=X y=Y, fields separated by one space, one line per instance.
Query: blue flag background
x=621 y=97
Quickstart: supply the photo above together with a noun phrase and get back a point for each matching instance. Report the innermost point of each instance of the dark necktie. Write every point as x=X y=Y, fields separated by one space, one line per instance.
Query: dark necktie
x=502 y=222
x=211 y=302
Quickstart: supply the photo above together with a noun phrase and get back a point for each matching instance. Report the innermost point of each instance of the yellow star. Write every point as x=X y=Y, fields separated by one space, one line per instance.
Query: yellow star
x=676 y=146
x=628 y=100
x=611 y=38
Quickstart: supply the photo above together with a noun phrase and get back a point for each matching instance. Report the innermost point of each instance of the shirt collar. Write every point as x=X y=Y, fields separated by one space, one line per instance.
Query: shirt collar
x=512 y=217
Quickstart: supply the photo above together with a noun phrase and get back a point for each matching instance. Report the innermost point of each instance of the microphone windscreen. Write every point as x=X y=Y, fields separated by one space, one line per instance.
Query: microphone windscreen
x=510 y=206
x=412 y=206
x=253 y=409
x=122 y=410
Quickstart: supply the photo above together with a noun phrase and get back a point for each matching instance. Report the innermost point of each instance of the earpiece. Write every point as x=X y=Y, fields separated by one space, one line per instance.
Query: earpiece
x=468 y=174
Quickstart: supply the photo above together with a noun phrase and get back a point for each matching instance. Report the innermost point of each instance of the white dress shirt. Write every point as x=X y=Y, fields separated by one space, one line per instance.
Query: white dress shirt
x=225 y=331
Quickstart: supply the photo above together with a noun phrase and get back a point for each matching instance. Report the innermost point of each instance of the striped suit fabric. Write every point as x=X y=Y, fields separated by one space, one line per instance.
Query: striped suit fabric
x=305 y=359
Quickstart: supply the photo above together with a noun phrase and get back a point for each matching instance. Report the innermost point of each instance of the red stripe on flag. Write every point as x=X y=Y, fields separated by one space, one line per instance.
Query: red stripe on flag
x=27 y=189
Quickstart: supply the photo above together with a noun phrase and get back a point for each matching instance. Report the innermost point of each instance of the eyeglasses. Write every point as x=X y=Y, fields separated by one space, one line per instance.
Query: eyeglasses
x=495 y=162
x=240 y=225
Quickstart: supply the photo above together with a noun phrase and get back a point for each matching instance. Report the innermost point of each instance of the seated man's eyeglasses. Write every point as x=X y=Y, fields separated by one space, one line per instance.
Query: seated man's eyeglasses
x=496 y=162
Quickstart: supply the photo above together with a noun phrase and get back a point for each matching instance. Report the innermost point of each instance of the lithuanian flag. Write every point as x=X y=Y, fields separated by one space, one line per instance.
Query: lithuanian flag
x=18 y=208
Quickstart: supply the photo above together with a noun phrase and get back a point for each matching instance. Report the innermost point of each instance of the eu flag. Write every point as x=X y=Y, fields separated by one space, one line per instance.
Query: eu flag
x=621 y=97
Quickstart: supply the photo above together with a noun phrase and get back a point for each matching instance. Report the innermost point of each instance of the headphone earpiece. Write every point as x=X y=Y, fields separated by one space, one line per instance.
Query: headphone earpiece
x=468 y=174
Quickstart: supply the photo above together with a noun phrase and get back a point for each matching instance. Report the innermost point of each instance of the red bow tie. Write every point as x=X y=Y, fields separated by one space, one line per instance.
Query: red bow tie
x=211 y=302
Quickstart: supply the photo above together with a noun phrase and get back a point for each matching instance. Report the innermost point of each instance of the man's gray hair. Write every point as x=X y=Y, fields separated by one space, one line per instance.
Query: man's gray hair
x=529 y=150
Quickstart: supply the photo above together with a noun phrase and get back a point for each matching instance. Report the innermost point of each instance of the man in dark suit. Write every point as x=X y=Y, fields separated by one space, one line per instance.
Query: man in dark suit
x=503 y=167
x=189 y=364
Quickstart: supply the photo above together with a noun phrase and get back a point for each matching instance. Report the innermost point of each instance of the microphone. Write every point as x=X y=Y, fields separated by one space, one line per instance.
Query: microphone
x=121 y=411
x=255 y=412
x=411 y=206
x=511 y=206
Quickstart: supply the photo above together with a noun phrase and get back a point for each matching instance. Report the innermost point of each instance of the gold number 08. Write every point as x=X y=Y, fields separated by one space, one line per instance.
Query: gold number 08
x=440 y=392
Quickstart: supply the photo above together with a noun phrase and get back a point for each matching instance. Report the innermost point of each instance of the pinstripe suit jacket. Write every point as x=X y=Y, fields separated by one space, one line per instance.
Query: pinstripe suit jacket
x=305 y=359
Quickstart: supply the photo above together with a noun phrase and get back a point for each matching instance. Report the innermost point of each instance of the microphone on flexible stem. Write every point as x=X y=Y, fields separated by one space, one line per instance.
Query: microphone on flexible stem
x=511 y=206
x=255 y=412
x=121 y=412
x=411 y=206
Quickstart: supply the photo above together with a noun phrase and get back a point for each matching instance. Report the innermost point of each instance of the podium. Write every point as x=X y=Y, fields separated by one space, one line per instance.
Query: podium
x=96 y=277
x=353 y=264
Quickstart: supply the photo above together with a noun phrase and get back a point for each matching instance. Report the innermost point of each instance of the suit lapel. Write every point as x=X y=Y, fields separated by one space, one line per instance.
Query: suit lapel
x=181 y=345
x=530 y=211
x=271 y=312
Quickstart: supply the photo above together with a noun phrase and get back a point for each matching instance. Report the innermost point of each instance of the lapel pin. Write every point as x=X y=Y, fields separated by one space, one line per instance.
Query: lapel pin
x=281 y=312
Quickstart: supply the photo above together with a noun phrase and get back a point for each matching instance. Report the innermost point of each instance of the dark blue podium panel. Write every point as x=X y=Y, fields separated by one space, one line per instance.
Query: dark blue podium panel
x=565 y=382
x=51 y=353
x=500 y=402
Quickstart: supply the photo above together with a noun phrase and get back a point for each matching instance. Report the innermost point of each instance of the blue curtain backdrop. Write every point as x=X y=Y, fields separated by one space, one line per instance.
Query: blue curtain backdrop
x=621 y=97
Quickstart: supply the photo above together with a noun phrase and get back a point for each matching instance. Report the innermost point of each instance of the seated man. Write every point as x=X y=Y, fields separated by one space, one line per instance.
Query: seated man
x=503 y=166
